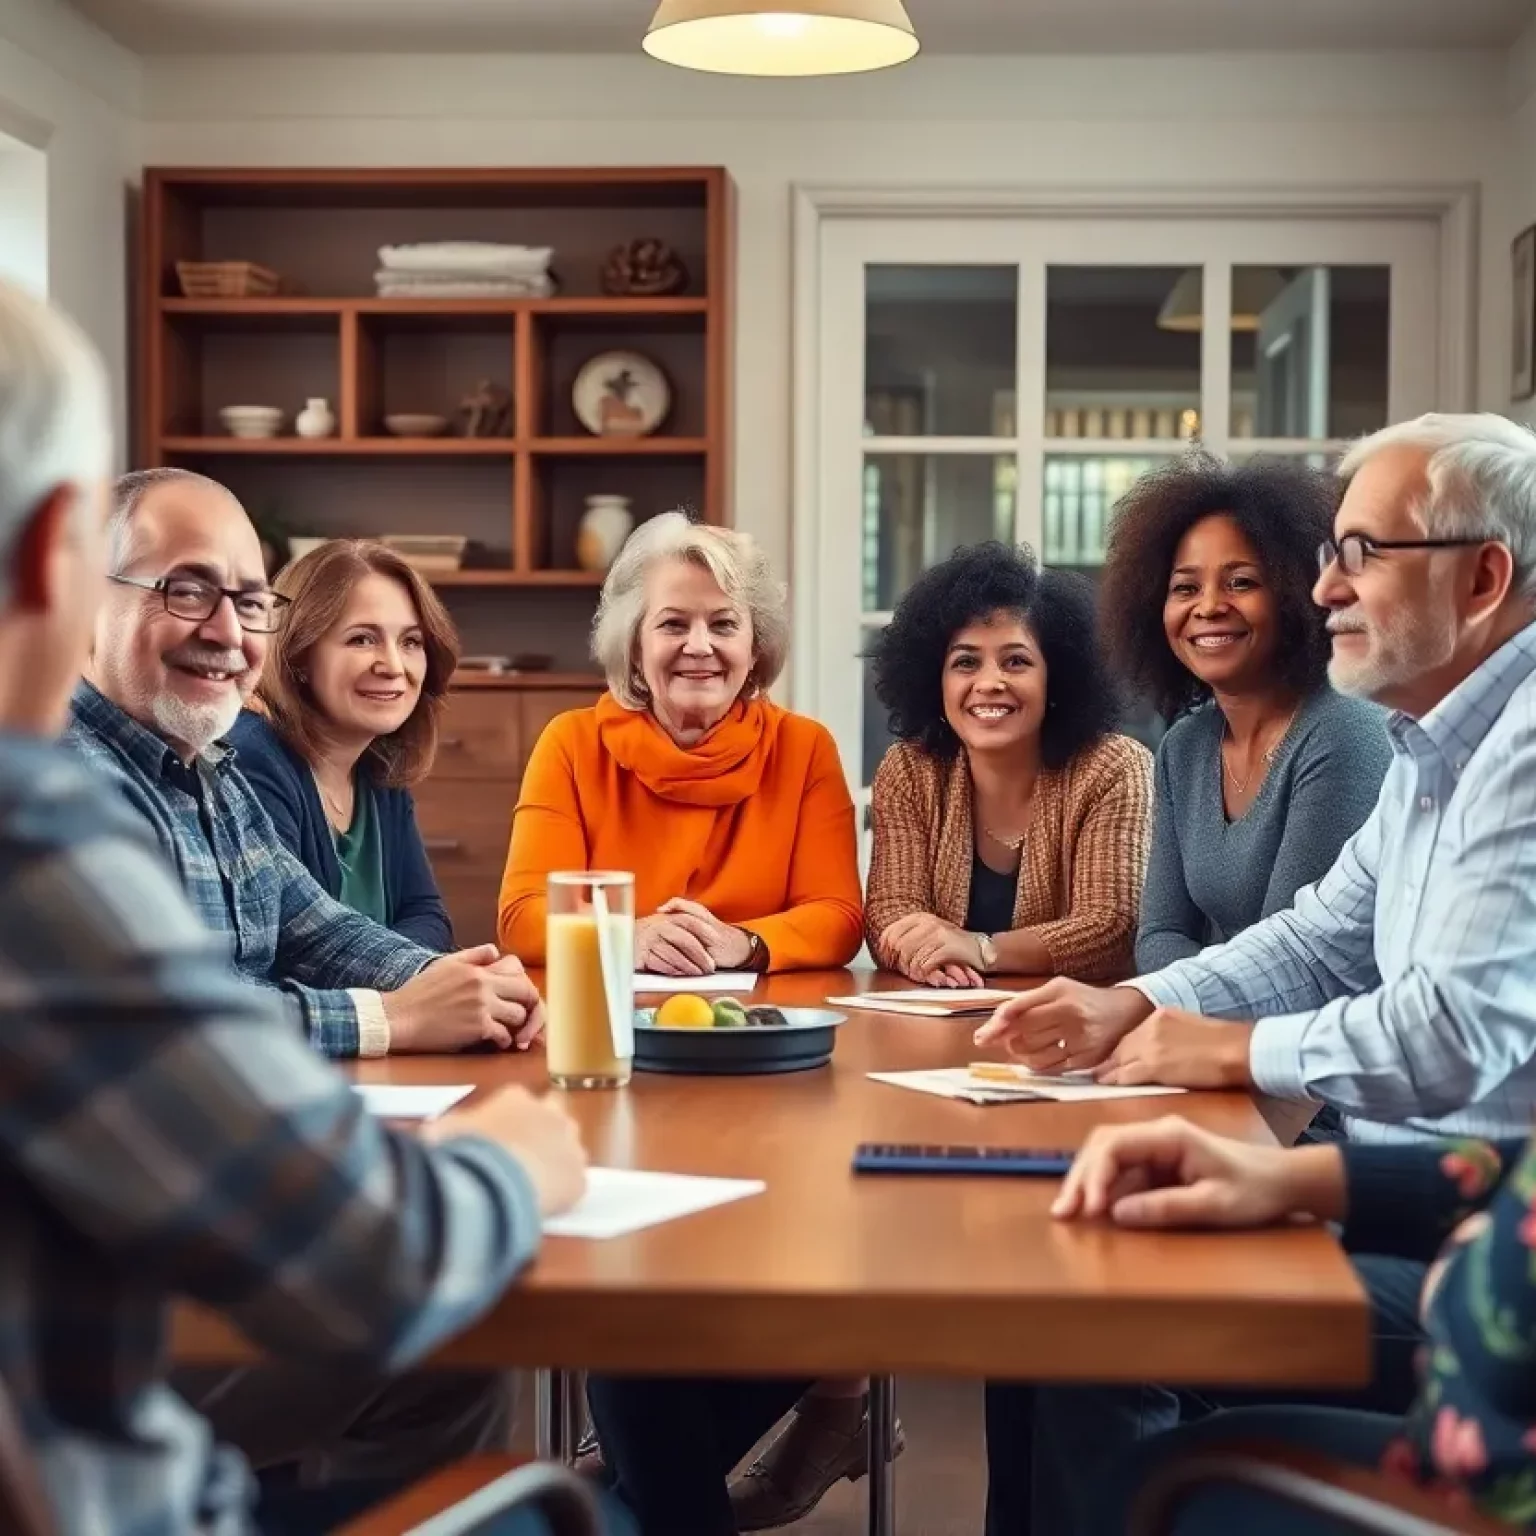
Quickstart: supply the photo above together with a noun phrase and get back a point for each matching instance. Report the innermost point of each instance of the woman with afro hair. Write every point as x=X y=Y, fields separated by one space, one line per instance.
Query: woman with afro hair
x=1207 y=613
x=1011 y=822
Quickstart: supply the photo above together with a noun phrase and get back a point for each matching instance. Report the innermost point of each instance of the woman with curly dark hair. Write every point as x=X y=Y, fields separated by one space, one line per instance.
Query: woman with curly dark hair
x=1010 y=821
x=1207 y=611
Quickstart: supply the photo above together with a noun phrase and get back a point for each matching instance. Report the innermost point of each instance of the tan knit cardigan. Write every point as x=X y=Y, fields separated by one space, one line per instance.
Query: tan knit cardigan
x=1083 y=862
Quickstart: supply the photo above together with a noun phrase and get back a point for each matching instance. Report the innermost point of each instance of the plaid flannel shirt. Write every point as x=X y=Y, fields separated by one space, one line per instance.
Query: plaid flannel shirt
x=284 y=930
x=164 y=1132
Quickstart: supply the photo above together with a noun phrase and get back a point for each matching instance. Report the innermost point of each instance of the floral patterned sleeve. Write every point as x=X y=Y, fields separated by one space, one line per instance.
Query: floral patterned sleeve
x=1472 y=1431
x=1405 y=1201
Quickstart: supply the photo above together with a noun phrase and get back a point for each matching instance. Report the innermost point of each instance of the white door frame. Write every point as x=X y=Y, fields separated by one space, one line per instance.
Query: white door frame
x=1453 y=206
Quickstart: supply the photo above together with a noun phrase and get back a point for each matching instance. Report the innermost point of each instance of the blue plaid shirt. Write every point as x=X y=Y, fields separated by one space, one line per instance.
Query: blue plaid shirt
x=1401 y=988
x=163 y=1131
x=283 y=929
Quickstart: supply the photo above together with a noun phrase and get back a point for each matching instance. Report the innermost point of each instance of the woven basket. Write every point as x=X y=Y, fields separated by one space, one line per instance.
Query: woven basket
x=226 y=280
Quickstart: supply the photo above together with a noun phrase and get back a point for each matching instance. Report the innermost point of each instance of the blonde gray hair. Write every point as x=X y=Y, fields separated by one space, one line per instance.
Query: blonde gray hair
x=1482 y=481
x=741 y=571
x=55 y=414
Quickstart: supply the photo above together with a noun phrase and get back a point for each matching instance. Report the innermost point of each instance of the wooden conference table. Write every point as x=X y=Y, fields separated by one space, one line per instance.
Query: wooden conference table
x=829 y=1274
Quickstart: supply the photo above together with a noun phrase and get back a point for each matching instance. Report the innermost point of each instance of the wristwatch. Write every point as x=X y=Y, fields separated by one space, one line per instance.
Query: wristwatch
x=987 y=950
x=757 y=955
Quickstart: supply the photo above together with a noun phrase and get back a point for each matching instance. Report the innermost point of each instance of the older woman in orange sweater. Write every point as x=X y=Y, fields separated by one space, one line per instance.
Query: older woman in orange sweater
x=735 y=817
x=732 y=812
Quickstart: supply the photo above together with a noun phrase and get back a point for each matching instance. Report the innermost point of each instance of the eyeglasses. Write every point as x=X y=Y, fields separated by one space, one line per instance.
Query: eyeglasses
x=1354 y=549
x=190 y=597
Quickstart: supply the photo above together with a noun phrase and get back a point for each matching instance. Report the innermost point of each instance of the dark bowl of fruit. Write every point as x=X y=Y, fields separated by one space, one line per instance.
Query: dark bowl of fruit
x=726 y=1037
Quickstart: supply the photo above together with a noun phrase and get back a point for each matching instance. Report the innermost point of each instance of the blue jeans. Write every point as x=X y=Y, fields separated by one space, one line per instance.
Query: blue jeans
x=1222 y=1509
x=1078 y=1434
x=670 y=1443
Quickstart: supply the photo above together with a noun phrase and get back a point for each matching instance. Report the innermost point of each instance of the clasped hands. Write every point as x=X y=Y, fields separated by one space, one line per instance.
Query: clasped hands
x=935 y=952
x=467 y=998
x=683 y=938
x=1120 y=1036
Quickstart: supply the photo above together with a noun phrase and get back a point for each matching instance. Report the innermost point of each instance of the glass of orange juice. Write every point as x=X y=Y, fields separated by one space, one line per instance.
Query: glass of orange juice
x=589 y=979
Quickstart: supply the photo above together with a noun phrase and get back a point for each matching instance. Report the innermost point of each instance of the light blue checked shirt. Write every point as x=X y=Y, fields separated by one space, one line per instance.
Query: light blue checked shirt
x=1401 y=988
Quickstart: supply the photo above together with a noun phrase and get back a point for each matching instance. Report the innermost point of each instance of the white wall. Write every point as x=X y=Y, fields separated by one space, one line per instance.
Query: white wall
x=1518 y=209
x=23 y=214
x=1248 y=121
x=69 y=91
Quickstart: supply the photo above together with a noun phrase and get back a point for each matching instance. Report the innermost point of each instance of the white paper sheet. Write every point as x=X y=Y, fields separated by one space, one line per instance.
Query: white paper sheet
x=936 y=1002
x=721 y=981
x=621 y=1200
x=411 y=1101
x=957 y=1083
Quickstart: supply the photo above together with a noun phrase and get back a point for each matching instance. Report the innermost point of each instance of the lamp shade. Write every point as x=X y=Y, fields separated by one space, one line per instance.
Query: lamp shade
x=781 y=37
x=1254 y=289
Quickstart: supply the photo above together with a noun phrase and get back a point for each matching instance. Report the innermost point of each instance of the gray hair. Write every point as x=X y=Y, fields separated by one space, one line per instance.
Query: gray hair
x=739 y=567
x=1482 y=481
x=55 y=413
x=128 y=494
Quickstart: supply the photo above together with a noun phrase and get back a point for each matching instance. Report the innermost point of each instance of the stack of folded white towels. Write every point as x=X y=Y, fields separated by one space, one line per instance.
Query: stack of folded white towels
x=464 y=269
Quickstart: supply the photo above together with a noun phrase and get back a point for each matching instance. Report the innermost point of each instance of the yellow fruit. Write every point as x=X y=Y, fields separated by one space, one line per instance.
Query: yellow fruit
x=685 y=1011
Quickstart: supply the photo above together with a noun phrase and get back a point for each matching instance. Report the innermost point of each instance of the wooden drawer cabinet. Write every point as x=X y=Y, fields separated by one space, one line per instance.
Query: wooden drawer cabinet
x=481 y=735
x=539 y=707
x=465 y=808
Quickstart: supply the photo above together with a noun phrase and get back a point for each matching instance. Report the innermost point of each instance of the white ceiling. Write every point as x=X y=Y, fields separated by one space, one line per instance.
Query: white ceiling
x=945 y=26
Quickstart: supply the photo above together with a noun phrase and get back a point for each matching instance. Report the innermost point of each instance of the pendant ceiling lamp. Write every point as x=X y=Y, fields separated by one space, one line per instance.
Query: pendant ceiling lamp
x=781 y=37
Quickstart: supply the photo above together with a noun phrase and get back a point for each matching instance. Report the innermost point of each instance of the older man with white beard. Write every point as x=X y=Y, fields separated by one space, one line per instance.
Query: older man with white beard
x=1401 y=988
x=178 y=648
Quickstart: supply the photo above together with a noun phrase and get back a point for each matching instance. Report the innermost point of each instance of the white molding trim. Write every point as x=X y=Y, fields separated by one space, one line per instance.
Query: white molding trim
x=1453 y=205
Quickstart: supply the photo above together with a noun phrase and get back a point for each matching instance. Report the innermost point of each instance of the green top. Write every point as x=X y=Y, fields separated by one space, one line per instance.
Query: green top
x=361 y=856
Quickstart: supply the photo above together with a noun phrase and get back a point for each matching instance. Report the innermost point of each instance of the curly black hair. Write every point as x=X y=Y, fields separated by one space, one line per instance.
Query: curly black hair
x=1286 y=510
x=1082 y=703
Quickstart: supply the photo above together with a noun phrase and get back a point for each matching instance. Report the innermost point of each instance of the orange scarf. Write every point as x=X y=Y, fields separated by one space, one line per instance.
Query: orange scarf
x=724 y=768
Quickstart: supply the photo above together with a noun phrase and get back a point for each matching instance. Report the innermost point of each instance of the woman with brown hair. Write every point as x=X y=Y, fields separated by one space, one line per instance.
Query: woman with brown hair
x=346 y=720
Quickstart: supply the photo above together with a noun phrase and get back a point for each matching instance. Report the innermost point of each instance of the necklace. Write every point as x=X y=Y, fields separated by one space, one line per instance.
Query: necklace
x=1012 y=844
x=1241 y=785
x=333 y=809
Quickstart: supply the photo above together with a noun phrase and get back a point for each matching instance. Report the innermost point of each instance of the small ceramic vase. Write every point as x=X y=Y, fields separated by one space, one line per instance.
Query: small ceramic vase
x=316 y=419
x=604 y=526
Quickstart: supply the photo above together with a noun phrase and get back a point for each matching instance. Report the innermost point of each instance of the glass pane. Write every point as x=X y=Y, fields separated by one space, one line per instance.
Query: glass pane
x=1079 y=494
x=939 y=351
x=877 y=735
x=919 y=506
x=1121 y=356
x=1309 y=350
x=1314 y=460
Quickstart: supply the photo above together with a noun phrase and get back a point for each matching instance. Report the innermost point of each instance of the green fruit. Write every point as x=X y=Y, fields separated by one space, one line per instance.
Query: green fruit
x=729 y=1014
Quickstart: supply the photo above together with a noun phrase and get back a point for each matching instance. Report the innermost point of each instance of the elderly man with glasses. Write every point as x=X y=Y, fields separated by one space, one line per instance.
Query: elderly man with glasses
x=179 y=645
x=1400 y=990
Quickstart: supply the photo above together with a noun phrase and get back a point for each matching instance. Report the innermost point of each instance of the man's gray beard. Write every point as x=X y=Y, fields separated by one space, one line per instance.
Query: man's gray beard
x=196 y=725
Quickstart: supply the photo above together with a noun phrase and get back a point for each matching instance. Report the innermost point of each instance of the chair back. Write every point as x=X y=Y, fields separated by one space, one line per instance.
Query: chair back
x=23 y=1506
x=566 y=1502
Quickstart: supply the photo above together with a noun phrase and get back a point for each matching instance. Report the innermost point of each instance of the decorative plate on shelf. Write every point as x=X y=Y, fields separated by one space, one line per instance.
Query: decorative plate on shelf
x=621 y=394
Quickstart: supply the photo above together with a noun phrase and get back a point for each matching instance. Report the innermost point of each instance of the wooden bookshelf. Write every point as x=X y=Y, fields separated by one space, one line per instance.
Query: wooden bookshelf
x=518 y=498
x=370 y=356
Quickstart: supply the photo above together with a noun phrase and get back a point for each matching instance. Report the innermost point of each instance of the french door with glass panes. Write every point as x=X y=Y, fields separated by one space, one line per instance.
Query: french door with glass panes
x=1010 y=378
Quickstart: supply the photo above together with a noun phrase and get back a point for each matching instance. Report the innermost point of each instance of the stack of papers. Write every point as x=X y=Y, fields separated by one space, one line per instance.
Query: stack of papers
x=620 y=1200
x=936 y=1003
x=720 y=981
x=411 y=1101
x=960 y=1083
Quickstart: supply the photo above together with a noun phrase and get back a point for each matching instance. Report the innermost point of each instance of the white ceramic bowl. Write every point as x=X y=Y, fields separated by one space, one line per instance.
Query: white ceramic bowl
x=252 y=420
x=413 y=424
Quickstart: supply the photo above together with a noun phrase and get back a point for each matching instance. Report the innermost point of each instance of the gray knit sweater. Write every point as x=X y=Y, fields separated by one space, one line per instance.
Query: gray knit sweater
x=1210 y=878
